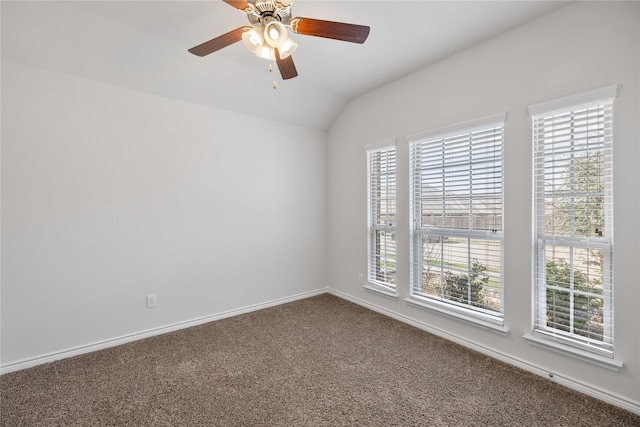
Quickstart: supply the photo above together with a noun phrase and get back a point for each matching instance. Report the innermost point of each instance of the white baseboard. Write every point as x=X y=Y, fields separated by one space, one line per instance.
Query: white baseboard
x=598 y=393
x=100 y=345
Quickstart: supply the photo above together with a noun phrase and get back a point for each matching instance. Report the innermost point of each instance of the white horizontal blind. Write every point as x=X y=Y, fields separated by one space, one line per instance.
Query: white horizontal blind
x=382 y=217
x=573 y=225
x=456 y=214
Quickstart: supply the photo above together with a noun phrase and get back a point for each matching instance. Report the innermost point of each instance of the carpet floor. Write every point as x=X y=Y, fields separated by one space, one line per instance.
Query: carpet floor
x=322 y=361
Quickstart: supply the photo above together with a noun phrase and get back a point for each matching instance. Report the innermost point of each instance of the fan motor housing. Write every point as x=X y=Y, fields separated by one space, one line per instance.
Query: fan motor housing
x=262 y=9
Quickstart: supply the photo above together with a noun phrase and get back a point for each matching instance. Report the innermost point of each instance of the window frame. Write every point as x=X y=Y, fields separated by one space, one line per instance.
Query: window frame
x=491 y=318
x=572 y=105
x=374 y=225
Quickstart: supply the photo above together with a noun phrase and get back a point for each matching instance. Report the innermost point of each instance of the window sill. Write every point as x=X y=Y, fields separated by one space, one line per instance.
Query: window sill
x=475 y=321
x=585 y=356
x=381 y=291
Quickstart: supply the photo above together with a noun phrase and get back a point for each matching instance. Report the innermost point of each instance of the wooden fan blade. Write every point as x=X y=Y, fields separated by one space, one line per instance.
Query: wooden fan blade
x=286 y=66
x=330 y=30
x=238 y=4
x=219 y=42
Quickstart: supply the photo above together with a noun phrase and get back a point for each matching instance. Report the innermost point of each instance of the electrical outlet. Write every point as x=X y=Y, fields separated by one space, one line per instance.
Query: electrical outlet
x=361 y=278
x=152 y=300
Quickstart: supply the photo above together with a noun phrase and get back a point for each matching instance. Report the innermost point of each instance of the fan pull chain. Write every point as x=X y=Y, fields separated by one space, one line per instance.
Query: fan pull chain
x=275 y=85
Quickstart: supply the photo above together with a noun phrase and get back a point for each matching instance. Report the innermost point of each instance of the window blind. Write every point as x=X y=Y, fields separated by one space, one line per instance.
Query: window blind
x=573 y=275
x=381 y=167
x=456 y=215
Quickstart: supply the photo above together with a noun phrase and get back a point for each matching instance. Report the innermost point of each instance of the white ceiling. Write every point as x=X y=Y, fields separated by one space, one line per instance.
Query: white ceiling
x=143 y=45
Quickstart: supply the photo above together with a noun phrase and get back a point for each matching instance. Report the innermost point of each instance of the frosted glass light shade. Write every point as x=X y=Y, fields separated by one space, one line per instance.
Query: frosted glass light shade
x=275 y=34
x=266 y=52
x=287 y=48
x=253 y=40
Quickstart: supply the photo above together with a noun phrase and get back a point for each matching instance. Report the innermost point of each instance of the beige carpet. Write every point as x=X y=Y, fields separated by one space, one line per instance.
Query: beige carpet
x=317 y=362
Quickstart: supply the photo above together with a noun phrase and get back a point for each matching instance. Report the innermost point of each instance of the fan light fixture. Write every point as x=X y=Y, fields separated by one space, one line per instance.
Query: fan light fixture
x=263 y=41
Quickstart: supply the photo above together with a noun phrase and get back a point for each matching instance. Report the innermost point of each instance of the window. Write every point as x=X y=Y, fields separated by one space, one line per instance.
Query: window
x=456 y=215
x=573 y=220
x=381 y=172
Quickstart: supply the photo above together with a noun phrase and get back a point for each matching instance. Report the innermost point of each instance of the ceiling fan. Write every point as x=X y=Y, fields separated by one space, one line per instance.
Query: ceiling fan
x=267 y=37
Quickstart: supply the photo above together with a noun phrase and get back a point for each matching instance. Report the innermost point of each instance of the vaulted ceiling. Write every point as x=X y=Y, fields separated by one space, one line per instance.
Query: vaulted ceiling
x=143 y=45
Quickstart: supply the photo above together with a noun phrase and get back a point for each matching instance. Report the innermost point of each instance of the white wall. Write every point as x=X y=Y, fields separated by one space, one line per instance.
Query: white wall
x=581 y=47
x=109 y=194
